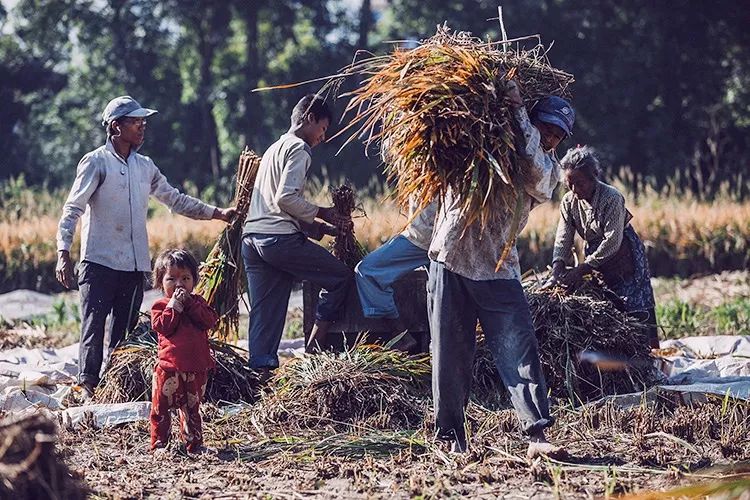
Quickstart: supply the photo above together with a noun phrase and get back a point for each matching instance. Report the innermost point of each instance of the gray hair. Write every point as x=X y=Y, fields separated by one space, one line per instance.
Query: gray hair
x=582 y=158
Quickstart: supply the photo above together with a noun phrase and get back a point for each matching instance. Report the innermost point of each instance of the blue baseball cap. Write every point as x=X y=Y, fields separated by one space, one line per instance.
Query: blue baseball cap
x=555 y=111
x=124 y=106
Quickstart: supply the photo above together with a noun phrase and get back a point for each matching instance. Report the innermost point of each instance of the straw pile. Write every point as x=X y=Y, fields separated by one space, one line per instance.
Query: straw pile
x=345 y=246
x=369 y=386
x=221 y=274
x=29 y=466
x=568 y=324
x=440 y=116
x=130 y=371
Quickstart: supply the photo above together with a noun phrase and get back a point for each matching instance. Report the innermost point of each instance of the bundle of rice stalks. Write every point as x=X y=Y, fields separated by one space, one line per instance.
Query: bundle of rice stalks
x=29 y=466
x=440 y=114
x=130 y=371
x=345 y=246
x=368 y=385
x=568 y=324
x=221 y=273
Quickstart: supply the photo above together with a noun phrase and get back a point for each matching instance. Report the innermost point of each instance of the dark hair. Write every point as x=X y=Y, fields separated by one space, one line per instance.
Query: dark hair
x=314 y=105
x=174 y=257
x=582 y=158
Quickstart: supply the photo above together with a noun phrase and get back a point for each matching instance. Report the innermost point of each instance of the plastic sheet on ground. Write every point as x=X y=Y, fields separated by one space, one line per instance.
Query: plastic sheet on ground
x=106 y=415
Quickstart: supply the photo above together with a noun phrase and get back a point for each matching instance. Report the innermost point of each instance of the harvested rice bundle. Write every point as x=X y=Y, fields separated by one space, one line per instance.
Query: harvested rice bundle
x=568 y=324
x=345 y=246
x=221 y=273
x=440 y=115
x=29 y=466
x=131 y=368
x=368 y=385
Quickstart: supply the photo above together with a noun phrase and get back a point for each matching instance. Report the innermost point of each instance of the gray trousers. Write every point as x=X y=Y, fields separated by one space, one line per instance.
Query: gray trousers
x=273 y=262
x=103 y=290
x=455 y=303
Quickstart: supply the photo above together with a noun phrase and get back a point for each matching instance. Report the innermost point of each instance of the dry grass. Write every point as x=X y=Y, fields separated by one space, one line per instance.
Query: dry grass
x=649 y=447
x=683 y=236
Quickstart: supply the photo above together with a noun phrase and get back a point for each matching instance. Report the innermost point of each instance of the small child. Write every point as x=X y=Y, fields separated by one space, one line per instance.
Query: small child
x=182 y=321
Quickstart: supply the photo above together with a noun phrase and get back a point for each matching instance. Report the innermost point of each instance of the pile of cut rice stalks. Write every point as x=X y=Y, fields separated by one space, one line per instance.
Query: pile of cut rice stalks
x=569 y=324
x=131 y=367
x=29 y=465
x=369 y=385
x=221 y=274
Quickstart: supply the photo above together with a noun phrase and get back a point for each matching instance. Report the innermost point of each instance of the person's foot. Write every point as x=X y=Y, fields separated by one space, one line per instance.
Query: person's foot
x=540 y=447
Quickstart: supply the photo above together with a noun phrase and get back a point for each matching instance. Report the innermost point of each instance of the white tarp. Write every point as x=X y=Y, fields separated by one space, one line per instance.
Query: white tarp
x=40 y=379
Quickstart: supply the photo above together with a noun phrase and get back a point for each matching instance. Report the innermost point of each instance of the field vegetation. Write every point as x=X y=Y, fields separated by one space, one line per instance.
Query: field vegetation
x=684 y=234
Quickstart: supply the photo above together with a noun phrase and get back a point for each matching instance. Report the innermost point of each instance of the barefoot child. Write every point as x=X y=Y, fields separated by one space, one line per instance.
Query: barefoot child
x=182 y=320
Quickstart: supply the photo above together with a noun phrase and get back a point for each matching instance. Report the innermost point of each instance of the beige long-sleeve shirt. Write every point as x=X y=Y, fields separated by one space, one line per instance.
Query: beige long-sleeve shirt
x=278 y=203
x=111 y=194
x=475 y=251
x=600 y=223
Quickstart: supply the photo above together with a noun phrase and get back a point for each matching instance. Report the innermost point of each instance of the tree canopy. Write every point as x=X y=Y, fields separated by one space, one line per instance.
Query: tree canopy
x=662 y=87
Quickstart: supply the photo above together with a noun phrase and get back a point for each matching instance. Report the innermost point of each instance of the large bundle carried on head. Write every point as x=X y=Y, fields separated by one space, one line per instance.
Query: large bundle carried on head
x=440 y=114
x=221 y=273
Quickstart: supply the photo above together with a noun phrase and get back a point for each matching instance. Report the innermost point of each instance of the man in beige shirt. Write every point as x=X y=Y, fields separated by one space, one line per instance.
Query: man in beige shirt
x=275 y=248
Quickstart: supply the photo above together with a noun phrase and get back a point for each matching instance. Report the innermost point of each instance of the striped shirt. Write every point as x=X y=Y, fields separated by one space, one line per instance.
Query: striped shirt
x=600 y=223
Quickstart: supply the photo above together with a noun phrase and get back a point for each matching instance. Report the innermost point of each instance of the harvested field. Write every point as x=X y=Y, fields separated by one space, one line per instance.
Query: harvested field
x=614 y=450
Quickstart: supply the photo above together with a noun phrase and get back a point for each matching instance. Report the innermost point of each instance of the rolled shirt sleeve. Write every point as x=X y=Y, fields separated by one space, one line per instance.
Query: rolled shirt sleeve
x=176 y=201
x=563 y=249
x=289 y=195
x=89 y=175
x=544 y=165
x=613 y=216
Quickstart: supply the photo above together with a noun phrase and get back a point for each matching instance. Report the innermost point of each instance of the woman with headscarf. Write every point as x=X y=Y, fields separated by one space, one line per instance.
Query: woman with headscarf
x=596 y=211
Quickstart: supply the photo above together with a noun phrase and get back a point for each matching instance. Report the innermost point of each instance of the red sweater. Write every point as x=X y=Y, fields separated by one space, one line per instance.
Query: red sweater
x=183 y=336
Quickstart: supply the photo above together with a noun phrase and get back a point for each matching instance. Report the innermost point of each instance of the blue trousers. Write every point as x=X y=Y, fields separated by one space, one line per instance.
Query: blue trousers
x=377 y=272
x=455 y=303
x=273 y=262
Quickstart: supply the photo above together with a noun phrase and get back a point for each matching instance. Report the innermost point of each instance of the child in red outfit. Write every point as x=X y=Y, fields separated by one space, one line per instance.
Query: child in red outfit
x=182 y=321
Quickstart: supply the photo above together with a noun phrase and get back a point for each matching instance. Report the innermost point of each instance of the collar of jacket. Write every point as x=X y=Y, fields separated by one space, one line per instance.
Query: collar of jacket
x=109 y=146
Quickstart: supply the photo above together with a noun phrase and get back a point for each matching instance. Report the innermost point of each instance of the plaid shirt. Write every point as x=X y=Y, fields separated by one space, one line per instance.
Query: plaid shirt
x=600 y=224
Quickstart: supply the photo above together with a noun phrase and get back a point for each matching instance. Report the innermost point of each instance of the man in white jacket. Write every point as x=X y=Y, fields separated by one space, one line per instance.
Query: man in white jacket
x=275 y=248
x=111 y=191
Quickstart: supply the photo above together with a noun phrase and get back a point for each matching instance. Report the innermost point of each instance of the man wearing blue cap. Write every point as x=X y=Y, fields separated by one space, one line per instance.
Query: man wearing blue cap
x=111 y=191
x=464 y=285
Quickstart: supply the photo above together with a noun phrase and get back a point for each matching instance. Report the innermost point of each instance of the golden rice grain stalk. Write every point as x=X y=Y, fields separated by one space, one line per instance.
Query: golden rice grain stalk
x=221 y=273
x=345 y=246
x=440 y=114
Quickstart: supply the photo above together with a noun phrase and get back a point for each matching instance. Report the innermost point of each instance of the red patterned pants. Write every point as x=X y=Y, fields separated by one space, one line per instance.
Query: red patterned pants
x=182 y=391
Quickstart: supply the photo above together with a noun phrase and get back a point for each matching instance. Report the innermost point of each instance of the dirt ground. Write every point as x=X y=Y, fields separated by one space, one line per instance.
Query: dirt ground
x=652 y=446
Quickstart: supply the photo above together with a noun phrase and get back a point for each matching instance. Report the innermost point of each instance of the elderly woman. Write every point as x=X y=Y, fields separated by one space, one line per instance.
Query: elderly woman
x=596 y=211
